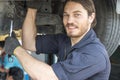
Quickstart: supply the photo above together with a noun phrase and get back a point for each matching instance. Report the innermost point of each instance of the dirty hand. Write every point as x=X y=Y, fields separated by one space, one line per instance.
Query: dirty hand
x=11 y=43
x=33 y=4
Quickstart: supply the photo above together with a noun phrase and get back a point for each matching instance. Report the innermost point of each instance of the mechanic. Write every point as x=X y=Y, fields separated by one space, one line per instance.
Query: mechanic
x=81 y=54
x=8 y=62
x=15 y=73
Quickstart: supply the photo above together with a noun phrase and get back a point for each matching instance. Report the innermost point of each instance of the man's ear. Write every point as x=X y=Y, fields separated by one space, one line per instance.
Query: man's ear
x=92 y=17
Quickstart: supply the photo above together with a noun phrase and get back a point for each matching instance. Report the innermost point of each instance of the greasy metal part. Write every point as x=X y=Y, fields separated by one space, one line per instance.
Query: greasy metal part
x=17 y=32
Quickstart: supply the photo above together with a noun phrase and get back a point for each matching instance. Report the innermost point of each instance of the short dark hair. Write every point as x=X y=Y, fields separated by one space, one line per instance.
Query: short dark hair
x=16 y=72
x=88 y=5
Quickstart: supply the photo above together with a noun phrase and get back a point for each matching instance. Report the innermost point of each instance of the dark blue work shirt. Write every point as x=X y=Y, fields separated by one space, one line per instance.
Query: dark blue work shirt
x=86 y=60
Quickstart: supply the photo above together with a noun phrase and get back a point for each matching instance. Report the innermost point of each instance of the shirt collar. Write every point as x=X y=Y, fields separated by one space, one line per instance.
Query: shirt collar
x=86 y=39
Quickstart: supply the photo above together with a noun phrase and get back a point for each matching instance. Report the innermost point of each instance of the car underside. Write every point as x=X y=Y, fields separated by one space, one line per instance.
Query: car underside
x=49 y=19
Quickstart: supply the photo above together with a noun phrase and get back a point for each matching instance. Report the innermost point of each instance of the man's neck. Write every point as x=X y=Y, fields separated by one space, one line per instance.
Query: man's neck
x=77 y=39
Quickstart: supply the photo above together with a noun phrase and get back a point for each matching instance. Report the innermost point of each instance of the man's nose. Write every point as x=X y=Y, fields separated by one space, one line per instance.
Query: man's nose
x=70 y=19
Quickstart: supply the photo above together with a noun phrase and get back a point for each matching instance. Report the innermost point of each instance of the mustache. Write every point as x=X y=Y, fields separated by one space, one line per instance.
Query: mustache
x=70 y=24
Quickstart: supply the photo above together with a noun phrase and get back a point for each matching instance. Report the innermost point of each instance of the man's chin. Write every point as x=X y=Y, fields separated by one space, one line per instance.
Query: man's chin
x=72 y=35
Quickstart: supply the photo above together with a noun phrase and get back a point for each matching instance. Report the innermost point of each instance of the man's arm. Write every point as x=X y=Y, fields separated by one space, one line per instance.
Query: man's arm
x=38 y=70
x=29 y=30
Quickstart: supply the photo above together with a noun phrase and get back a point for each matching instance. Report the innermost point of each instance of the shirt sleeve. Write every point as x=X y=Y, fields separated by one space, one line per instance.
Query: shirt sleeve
x=46 y=44
x=79 y=66
x=49 y=43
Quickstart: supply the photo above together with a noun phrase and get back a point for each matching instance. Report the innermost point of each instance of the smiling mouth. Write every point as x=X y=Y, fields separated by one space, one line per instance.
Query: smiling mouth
x=71 y=28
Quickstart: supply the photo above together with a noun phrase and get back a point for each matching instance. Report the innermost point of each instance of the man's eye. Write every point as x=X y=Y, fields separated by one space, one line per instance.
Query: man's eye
x=77 y=15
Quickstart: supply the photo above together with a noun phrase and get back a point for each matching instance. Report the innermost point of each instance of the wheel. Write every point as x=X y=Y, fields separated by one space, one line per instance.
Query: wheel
x=108 y=21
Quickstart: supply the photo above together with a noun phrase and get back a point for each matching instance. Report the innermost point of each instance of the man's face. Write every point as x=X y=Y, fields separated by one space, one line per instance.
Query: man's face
x=76 y=20
x=9 y=78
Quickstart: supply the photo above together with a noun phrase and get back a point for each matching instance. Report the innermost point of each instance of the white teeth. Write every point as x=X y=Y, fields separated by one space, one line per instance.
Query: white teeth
x=71 y=27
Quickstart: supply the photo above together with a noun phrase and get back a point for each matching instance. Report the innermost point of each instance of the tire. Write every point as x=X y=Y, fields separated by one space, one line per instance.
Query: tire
x=115 y=72
x=108 y=21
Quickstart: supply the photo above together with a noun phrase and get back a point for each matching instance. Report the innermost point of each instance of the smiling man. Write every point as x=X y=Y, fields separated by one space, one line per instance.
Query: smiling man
x=76 y=20
x=81 y=55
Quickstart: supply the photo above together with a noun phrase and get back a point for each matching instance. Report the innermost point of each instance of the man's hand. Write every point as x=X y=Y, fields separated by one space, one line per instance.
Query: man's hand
x=34 y=4
x=11 y=43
